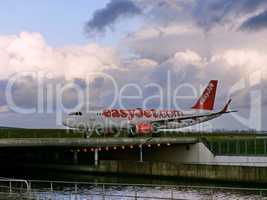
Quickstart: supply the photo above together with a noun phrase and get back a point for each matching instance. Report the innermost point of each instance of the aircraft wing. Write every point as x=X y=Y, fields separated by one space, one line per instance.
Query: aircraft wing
x=191 y=117
x=195 y=117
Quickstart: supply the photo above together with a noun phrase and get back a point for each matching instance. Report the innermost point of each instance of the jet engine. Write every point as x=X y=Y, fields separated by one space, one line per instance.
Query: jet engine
x=141 y=129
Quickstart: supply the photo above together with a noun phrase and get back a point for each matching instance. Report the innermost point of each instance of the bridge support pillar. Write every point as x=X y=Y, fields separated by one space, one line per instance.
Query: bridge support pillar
x=75 y=157
x=141 y=153
x=56 y=156
x=96 y=156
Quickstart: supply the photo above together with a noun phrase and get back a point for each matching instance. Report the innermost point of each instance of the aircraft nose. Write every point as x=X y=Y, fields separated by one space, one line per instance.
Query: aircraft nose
x=69 y=122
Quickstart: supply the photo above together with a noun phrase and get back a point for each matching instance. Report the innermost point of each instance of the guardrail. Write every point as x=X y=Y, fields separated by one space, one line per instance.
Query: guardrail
x=41 y=189
x=15 y=188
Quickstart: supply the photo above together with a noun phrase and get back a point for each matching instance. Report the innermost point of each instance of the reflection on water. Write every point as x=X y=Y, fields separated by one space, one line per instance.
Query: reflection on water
x=166 y=188
x=130 y=192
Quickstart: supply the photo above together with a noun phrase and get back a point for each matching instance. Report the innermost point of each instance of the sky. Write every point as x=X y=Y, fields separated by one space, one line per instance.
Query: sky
x=60 y=22
x=49 y=50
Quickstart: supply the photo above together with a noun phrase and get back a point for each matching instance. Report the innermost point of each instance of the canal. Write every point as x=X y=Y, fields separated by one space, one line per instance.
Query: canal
x=48 y=184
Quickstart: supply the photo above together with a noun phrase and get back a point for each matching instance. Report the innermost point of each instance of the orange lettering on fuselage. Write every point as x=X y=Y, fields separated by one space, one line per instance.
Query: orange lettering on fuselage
x=115 y=113
x=106 y=113
x=147 y=113
x=140 y=113
x=123 y=113
x=131 y=114
x=155 y=114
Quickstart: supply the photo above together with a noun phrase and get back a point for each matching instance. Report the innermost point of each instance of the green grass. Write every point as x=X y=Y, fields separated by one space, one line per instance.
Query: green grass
x=37 y=133
x=68 y=133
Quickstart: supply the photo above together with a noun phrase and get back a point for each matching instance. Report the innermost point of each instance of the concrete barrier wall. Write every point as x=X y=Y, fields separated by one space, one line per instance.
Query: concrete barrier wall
x=199 y=154
x=185 y=153
x=260 y=161
x=250 y=174
x=200 y=171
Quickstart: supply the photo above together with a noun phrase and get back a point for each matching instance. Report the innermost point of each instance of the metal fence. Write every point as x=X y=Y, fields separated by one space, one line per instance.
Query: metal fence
x=14 y=188
x=257 y=146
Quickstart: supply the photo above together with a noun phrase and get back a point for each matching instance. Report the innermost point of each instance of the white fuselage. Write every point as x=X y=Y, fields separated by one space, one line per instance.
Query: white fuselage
x=122 y=118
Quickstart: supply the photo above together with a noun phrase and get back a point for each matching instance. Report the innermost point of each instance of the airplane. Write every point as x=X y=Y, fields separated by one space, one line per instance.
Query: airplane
x=140 y=121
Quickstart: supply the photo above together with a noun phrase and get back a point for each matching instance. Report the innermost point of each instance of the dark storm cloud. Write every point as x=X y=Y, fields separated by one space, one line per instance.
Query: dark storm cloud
x=107 y=16
x=257 y=22
x=206 y=13
x=211 y=12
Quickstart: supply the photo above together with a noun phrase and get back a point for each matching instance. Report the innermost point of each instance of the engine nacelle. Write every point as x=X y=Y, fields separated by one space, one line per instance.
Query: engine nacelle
x=144 y=128
x=141 y=129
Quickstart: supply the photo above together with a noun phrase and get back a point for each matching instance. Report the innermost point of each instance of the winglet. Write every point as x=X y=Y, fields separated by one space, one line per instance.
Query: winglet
x=226 y=106
x=225 y=109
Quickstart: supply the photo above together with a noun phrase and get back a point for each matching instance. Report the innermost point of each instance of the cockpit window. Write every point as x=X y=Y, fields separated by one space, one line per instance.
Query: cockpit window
x=76 y=113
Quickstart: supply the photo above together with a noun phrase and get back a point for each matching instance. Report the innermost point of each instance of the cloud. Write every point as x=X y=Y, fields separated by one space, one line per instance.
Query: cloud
x=245 y=61
x=106 y=17
x=161 y=42
x=166 y=12
x=255 y=23
x=4 y=109
x=209 y=13
x=29 y=52
x=142 y=64
x=188 y=57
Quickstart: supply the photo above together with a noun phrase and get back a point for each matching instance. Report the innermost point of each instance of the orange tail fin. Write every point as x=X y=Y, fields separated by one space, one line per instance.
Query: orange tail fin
x=207 y=99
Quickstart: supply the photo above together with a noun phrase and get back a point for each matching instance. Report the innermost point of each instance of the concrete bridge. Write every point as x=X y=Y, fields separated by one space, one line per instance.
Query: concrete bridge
x=93 y=142
x=169 y=156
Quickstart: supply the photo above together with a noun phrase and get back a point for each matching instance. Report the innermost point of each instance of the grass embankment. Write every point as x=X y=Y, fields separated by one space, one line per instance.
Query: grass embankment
x=68 y=133
x=37 y=133
x=220 y=143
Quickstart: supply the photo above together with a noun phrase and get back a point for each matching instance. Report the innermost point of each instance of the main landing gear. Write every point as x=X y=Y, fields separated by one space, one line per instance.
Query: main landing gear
x=87 y=133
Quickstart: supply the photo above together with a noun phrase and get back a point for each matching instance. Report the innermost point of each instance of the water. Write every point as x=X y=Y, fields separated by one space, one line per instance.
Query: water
x=84 y=191
x=116 y=188
x=130 y=192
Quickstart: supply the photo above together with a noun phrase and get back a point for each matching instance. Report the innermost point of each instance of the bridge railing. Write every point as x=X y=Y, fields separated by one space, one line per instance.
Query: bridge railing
x=14 y=187
x=134 y=191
